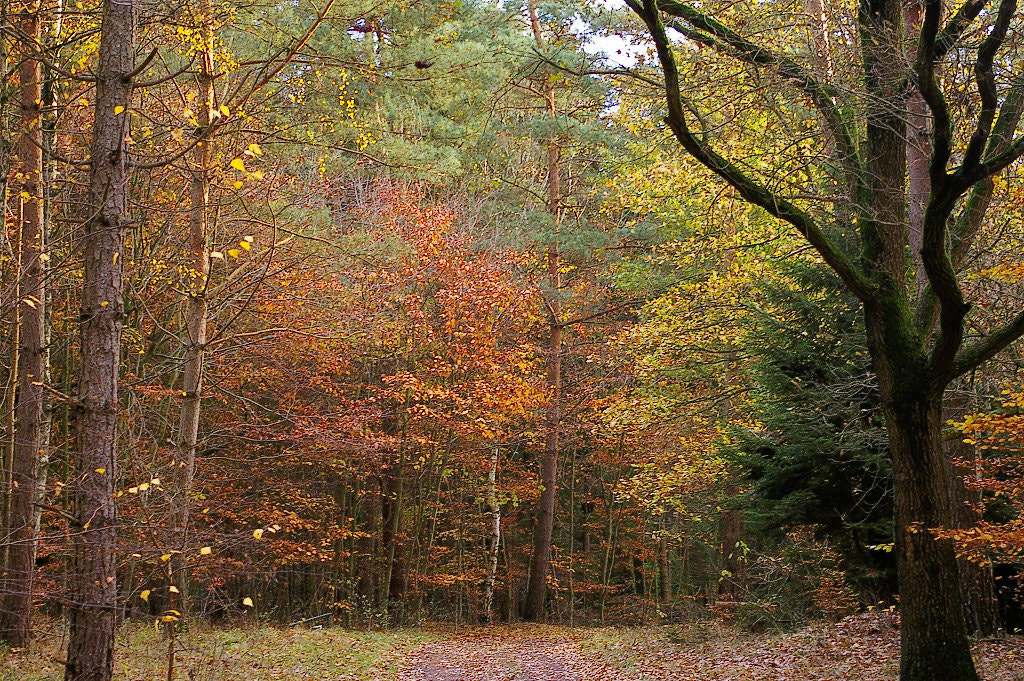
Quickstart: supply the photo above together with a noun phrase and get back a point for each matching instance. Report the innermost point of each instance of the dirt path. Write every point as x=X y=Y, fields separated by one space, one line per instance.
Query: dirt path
x=479 y=656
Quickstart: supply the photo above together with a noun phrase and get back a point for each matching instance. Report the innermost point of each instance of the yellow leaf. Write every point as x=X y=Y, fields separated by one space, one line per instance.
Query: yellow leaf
x=247 y=602
x=173 y=589
x=145 y=595
x=257 y=534
x=225 y=110
x=166 y=557
x=168 y=618
x=206 y=510
x=238 y=164
x=44 y=257
x=118 y=109
x=255 y=149
x=245 y=244
x=101 y=471
x=234 y=252
x=105 y=303
x=237 y=184
x=205 y=551
x=156 y=625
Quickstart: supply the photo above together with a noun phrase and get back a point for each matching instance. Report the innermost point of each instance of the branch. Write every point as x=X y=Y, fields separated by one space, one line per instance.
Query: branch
x=748 y=188
x=975 y=354
x=925 y=67
x=969 y=221
x=600 y=313
x=956 y=26
x=986 y=83
x=729 y=42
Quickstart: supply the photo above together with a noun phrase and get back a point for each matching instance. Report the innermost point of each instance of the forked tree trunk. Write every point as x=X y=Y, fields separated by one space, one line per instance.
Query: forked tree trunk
x=93 y=593
x=31 y=369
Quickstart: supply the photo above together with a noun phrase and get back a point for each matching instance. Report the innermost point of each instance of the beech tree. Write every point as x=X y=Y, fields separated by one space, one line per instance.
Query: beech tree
x=859 y=226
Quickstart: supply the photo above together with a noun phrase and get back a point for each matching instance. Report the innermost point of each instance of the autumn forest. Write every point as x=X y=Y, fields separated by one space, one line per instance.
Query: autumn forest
x=612 y=327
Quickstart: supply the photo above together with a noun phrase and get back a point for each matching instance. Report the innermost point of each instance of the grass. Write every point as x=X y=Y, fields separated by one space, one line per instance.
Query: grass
x=248 y=653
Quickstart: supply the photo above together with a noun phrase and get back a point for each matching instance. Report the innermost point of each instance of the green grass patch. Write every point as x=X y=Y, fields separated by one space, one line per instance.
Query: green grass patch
x=253 y=653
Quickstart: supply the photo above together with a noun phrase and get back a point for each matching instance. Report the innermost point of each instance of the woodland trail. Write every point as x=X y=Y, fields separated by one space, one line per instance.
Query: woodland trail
x=481 y=656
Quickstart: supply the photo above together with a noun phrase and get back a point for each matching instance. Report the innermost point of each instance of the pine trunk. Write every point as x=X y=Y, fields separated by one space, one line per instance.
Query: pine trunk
x=93 y=598
x=15 y=618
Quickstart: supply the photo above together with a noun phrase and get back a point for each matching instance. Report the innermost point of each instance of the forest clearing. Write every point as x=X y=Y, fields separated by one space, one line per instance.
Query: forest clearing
x=512 y=339
x=861 y=648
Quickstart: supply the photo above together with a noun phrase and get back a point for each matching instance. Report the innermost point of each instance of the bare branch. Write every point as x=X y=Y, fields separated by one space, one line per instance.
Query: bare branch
x=975 y=354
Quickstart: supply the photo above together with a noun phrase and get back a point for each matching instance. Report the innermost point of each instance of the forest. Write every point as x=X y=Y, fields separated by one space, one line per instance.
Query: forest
x=604 y=339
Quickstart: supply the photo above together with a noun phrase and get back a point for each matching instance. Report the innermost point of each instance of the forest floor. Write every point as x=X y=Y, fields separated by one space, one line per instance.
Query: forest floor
x=860 y=648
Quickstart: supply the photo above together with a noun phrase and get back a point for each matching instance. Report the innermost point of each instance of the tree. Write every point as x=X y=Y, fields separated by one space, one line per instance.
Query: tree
x=93 y=594
x=918 y=343
x=32 y=353
x=817 y=455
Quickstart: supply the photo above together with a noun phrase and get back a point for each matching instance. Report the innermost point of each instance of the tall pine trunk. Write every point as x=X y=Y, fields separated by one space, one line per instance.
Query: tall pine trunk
x=31 y=370
x=533 y=609
x=93 y=598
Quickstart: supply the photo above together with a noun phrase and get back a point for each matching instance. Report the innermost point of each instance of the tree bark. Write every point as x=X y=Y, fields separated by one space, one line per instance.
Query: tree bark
x=93 y=598
x=933 y=640
x=15 y=618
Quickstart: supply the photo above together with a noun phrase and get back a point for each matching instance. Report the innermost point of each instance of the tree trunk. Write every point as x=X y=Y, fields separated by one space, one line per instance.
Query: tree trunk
x=664 y=567
x=494 y=541
x=536 y=594
x=93 y=597
x=196 y=318
x=31 y=371
x=933 y=637
x=730 y=582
